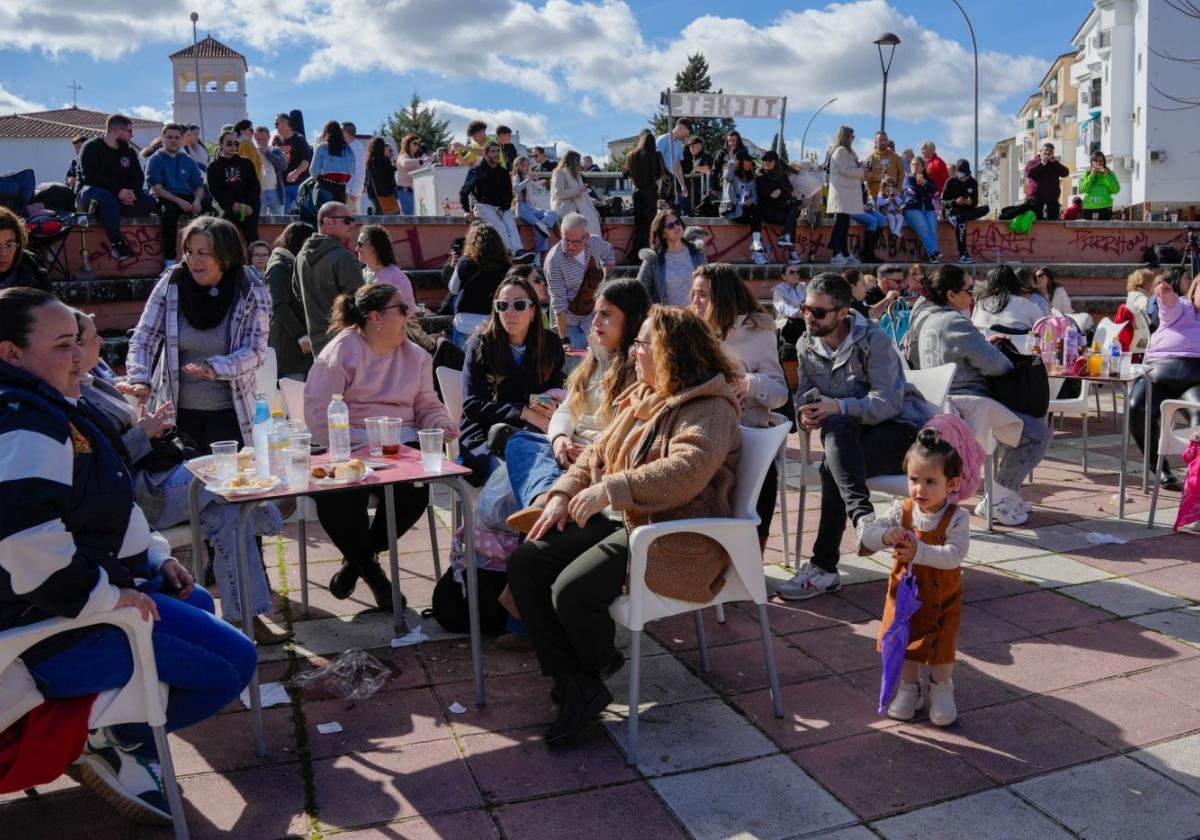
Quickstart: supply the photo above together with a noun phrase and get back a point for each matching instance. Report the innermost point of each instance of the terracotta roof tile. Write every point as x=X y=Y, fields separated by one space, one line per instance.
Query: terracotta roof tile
x=66 y=122
x=209 y=47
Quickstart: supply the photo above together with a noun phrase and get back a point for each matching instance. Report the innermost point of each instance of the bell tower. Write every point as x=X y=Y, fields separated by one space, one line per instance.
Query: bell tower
x=221 y=83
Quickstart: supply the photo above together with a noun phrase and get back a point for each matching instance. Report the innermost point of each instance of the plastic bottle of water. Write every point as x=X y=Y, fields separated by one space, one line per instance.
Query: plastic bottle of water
x=1114 y=360
x=260 y=436
x=277 y=441
x=339 y=429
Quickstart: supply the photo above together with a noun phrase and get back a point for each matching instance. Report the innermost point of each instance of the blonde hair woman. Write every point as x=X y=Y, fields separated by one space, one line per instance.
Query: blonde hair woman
x=846 y=176
x=568 y=192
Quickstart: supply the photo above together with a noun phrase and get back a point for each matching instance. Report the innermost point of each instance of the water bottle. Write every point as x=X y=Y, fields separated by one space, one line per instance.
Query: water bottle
x=1114 y=360
x=339 y=429
x=277 y=441
x=260 y=436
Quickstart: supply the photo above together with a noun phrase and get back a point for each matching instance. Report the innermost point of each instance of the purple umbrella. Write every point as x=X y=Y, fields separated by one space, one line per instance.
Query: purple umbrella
x=895 y=639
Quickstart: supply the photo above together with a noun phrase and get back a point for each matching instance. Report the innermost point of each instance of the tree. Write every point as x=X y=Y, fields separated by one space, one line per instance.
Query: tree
x=422 y=122
x=694 y=79
x=783 y=156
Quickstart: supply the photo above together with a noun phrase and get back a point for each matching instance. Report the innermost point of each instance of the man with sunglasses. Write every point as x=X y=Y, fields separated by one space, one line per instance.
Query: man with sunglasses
x=575 y=267
x=326 y=268
x=852 y=389
x=112 y=183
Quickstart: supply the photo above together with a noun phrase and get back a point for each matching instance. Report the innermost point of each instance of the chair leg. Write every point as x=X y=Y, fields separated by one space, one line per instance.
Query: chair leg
x=433 y=541
x=170 y=783
x=799 y=523
x=769 y=656
x=635 y=687
x=701 y=642
x=1085 y=446
x=781 y=470
x=720 y=610
x=302 y=533
x=1154 y=495
x=989 y=487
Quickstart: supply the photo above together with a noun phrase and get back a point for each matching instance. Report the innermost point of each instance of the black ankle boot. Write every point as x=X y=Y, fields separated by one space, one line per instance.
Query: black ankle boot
x=584 y=698
x=1167 y=480
x=374 y=577
x=615 y=663
x=344 y=580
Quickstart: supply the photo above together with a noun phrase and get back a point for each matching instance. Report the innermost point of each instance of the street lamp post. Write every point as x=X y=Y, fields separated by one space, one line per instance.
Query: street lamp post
x=196 y=59
x=975 y=49
x=887 y=39
x=810 y=122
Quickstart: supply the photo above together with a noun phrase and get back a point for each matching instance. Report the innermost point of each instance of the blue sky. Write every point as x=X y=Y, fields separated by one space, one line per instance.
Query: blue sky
x=560 y=71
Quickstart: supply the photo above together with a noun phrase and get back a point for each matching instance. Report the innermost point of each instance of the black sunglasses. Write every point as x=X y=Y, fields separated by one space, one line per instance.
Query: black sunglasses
x=818 y=312
x=517 y=305
x=672 y=225
x=403 y=307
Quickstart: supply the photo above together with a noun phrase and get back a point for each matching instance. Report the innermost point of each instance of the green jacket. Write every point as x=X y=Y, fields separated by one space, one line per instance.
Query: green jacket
x=1097 y=189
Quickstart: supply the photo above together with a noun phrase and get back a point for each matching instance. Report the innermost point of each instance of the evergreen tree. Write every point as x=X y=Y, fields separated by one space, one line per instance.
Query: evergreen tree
x=695 y=79
x=422 y=122
x=783 y=155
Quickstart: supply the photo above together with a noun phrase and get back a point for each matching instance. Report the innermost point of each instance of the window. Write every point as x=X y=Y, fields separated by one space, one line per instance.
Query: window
x=231 y=87
x=190 y=87
x=1139 y=62
x=1094 y=92
x=210 y=87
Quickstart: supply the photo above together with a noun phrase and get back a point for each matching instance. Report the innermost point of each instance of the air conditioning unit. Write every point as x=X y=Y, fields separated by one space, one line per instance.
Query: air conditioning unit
x=1085 y=97
x=1158 y=155
x=1128 y=164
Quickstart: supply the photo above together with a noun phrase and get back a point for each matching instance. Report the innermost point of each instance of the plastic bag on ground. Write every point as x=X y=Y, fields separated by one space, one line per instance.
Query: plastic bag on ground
x=355 y=675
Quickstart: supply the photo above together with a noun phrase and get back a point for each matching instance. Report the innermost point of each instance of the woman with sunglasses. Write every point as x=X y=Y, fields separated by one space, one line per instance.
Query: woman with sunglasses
x=747 y=336
x=513 y=374
x=670 y=452
x=378 y=257
x=666 y=272
x=379 y=373
x=846 y=176
x=1047 y=285
x=233 y=184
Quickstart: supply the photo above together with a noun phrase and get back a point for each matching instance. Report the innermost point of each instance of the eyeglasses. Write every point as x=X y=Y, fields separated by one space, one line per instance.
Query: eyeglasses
x=362 y=243
x=818 y=312
x=643 y=346
x=517 y=305
x=10 y=247
x=403 y=307
x=346 y=219
x=672 y=225
x=578 y=241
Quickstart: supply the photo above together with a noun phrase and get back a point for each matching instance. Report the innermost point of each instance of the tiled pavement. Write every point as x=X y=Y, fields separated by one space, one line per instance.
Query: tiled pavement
x=1076 y=687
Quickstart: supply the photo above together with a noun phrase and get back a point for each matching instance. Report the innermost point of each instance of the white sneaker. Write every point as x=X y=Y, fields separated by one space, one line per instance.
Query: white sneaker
x=839 y=259
x=909 y=699
x=784 y=241
x=809 y=582
x=852 y=260
x=759 y=257
x=1006 y=511
x=130 y=783
x=794 y=258
x=942 y=710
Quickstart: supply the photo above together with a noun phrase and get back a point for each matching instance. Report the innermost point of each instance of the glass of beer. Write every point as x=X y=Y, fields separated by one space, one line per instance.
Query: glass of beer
x=391 y=437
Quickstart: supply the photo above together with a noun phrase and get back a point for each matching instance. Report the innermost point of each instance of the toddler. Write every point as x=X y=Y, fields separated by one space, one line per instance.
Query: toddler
x=891 y=205
x=929 y=533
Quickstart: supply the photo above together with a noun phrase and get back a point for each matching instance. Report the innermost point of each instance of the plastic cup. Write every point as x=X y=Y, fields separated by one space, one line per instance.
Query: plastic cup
x=391 y=436
x=375 y=435
x=296 y=462
x=300 y=439
x=431 y=449
x=225 y=460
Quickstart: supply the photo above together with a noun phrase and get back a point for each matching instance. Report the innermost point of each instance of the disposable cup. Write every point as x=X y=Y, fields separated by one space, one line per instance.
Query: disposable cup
x=391 y=436
x=375 y=435
x=431 y=449
x=225 y=460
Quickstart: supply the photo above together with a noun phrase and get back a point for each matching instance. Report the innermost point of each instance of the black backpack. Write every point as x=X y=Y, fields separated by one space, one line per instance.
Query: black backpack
x=1026 y=388
x=450 y=604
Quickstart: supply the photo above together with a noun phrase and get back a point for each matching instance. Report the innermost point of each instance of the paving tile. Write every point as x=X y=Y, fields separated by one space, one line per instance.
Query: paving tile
x=985 y=583
x=64 y=815
x=1121 y=712
x=972 y=689
x=334 y=635
x=846 y=647
x=630 y=812
x=518 y=765
x=450 y=660
x=1124 y=596
x=1143 y=556
x=1130 y=530
x=855 y=832
x=1053 y=570
x=264 y=802
x=513 y=702
x=223 y=743
x=1182 y=624
x=385 y=721
x=476 y=825
x=1053 y=539
x=373 y=787
x=864 y=772
x=1183 y=580
x=813 y=712
x=1178 y=758
x=986 y=548
x=665 y=680
x=688 y=736
x=1122 y=646
x=1030 y=666
x=740 y=667
x=1044 y=612
x=1177 y=680
x=1012 y=740
x=1115 y=799
x=679 y=631
x=786 y=617
x=990 y=815
x=868 y=597
x=984 y=628
x=711 y=804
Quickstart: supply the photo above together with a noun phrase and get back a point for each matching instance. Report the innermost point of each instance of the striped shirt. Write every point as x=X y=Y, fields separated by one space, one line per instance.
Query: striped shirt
x=564 y=275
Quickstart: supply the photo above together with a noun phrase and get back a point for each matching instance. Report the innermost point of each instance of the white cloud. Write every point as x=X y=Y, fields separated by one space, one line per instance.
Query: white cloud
x=529 y=125
x=148 y=112
x=260 y=71
x=10 y=103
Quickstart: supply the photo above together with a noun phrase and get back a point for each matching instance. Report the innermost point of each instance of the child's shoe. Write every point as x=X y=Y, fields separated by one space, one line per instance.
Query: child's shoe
x=908 y=700
x=942 y=711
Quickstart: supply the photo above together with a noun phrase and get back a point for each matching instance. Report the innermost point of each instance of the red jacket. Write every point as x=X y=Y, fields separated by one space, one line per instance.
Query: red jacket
x=40 y=746
x=937 y=171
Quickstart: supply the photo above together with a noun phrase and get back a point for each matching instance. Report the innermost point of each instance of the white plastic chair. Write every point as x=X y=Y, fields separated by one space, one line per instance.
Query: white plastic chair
x=744 y=578
x=451 y=383
x=141 y=700
x=1106 y=331
x=1171 y=441
x=1141 y=332
x=1072 y=407
x=293 y=397
x=933 y=383
x=266 y=377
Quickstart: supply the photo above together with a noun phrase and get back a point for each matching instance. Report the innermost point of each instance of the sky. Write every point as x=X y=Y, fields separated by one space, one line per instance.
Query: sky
x=567 y=72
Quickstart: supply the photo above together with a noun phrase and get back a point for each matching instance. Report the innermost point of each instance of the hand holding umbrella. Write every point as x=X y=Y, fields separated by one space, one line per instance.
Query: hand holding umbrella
x=895 y=639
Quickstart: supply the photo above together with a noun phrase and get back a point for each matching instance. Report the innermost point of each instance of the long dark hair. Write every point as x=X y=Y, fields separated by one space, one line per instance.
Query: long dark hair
x=631 y=297
x=729 y=298
x=375 y=149
x=377 y=237
x=351 y=310
x=294 y=236
x=657 y=241
x=484 y=247
x=1003 y=284
x=946 y=278
x=492 y=346
x=16 y=312
x=1052 y=284
x=641 y=163
x=332 y=137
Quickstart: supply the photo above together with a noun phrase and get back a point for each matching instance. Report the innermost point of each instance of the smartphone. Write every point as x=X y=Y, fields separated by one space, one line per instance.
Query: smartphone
x=543 y=399
x=812 y=395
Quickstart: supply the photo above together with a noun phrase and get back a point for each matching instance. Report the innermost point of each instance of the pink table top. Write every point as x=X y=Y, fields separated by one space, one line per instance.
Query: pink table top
x=403 y=468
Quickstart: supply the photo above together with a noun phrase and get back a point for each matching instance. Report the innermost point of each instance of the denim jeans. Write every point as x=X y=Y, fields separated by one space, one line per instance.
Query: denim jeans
x=837 y=237
x=869 y=219
x=290 y=193
x=531 y=215
x=271 y=204
x=924 y=225
x=1020 y=460
x=532 y=469
x=853 y=453
x=405 y=197
x=204 y=662
x=109 y=209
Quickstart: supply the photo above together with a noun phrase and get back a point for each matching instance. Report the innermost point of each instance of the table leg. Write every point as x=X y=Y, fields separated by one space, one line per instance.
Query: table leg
x=242 y=570
x=459 y=486
x=1146 y=437
x=399 y=625
x=194 y=521
x=302 y=540
x=1124 y=450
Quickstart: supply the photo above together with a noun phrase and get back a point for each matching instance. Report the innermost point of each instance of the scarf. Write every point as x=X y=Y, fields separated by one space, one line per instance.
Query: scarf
x=625 y=436
x=205 y=307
